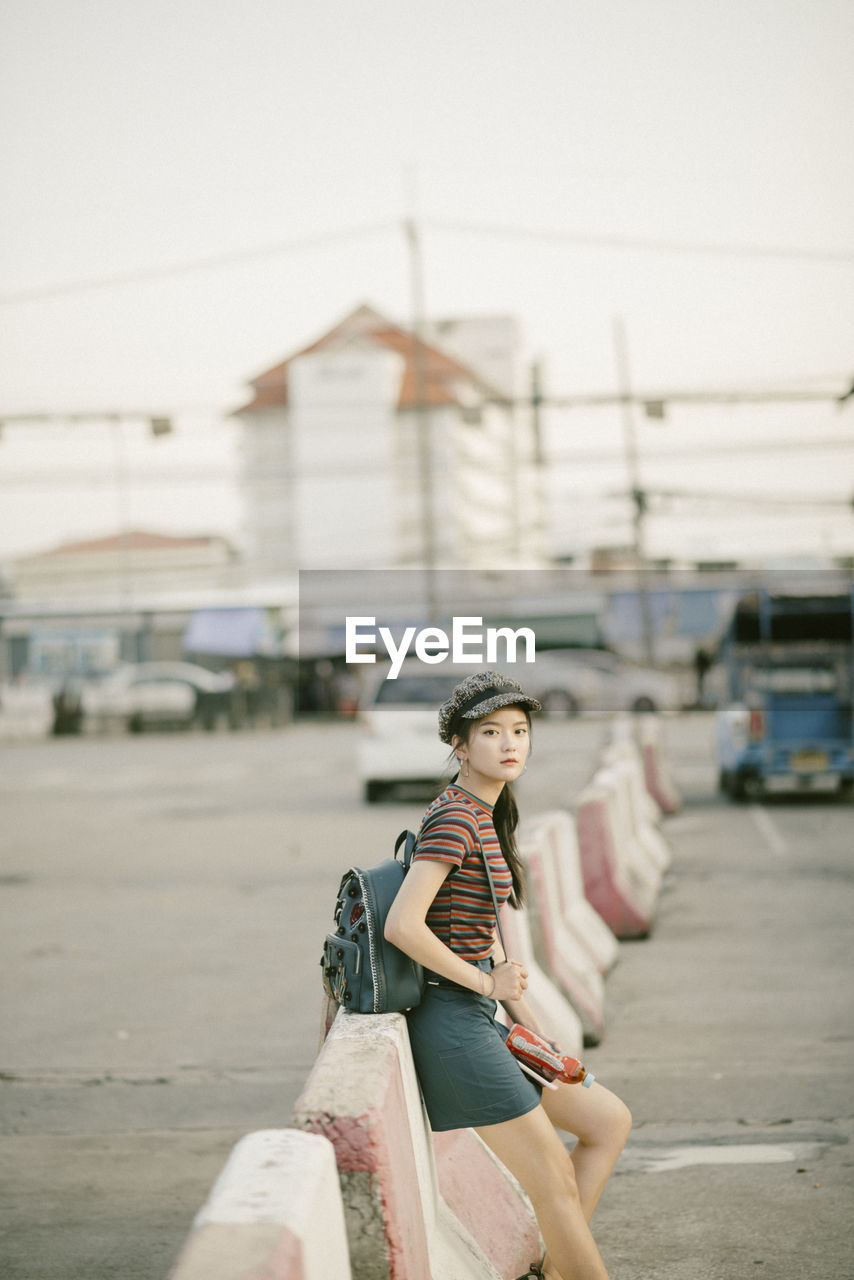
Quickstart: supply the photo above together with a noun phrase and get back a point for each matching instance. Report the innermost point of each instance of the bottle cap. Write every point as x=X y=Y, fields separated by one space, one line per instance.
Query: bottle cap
x=588 y=1080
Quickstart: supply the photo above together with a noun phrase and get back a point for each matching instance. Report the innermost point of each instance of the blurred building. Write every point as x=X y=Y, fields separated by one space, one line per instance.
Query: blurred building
x=82 y=607
x=123 y=566
x=345 y=442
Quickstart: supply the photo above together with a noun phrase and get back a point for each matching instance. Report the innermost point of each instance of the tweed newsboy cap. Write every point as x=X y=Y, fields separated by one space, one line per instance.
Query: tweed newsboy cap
x=479 y=694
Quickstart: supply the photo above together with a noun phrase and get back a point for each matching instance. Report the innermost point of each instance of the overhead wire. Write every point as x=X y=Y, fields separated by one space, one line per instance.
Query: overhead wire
x=211 y=262
x=543 y=235
x=646 y=244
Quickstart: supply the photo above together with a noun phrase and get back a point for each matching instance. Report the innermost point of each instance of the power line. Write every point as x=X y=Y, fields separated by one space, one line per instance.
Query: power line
x=771 y=501
x=654 y=403
x=756 y=252
x=658 y=401
x=802 y=444
x=42 y=293
x=544 y=235
x=21 y=477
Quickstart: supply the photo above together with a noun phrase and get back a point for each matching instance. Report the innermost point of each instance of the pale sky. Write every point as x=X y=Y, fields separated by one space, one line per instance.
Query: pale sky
x=138 y=137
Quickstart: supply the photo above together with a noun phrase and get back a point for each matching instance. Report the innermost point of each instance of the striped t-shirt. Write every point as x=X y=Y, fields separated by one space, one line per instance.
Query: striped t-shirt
x=462 y=914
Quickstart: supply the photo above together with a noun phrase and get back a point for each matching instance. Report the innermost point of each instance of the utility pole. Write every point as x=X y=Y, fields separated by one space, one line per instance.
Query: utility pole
x=422 y=420
x=637 y=493
x=122 y=470
x=539 y=458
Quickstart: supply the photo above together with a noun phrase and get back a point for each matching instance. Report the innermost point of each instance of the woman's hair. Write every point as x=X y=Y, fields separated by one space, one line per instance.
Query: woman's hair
x=505 y=816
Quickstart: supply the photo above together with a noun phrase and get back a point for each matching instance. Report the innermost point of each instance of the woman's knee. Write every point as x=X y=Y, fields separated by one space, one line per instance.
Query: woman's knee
x=621 y=1119
x=603 y=1119
x=615 y=1122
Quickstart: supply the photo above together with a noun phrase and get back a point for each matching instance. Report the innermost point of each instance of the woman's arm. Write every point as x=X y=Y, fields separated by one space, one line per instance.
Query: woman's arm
x=407 y=929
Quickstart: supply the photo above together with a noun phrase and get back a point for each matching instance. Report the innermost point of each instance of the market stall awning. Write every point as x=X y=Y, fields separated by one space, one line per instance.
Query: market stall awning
x=231 y=633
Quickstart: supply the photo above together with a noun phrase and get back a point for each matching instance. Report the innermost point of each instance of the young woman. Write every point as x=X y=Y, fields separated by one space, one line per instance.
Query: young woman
x=444 y=918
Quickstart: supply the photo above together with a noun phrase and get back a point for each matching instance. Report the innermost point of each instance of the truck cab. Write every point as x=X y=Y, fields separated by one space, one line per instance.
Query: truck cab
x=788 y=665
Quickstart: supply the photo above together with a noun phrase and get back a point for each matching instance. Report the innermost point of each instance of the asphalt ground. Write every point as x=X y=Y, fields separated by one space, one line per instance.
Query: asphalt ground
x=163 y=904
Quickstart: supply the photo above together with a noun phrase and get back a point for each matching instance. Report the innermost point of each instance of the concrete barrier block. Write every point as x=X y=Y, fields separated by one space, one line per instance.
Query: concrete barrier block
x=632 y=849
x=362 y=1094
x=657 y=774
x=486 y=1199
x=552 y=1009
x=555 y=830
x=624 y=746
x=275 y=1211
x=328 y=1013
x=569 y=963
x=627 y=778
x=622 y=887
x=355 y=1096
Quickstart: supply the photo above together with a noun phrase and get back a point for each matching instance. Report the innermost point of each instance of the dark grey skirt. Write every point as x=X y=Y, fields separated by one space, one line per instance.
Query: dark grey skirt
x=467 y=1074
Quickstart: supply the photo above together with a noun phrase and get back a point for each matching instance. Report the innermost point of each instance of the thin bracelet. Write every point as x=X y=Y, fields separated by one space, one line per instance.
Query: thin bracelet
x=489 y=994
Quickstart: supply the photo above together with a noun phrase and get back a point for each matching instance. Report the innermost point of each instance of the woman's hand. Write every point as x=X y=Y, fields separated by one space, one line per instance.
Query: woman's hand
x=511 y=980
x=520 y=1011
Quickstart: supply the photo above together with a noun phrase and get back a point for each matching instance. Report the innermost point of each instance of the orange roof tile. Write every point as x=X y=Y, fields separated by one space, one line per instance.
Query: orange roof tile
x=135 y=539
x=442 y=372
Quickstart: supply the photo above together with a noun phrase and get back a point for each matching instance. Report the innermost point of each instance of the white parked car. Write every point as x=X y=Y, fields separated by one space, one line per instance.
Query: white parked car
x=566 y=689
x=613 y=684
x=157 y=694
x=399 y=741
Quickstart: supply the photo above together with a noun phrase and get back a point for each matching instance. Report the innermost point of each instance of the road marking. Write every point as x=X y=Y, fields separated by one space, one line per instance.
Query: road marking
x=768 y=831
x=668 y=1159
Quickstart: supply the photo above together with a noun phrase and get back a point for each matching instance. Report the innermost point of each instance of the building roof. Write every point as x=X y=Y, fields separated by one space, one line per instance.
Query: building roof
x=444 y=374
x=134 y=540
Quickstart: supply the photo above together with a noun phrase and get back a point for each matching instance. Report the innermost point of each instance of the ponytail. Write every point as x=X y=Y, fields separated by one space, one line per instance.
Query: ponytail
x=505 y=817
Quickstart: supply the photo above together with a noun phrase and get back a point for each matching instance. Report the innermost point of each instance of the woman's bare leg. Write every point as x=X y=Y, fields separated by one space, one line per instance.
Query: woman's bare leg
x=601 y=1122
x=534 y=1153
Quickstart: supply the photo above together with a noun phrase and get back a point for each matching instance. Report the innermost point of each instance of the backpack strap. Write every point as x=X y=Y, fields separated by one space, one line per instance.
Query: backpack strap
x=486 y=868
x=407 y=839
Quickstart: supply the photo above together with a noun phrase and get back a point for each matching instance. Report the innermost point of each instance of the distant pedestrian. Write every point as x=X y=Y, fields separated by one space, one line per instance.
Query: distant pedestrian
x=444 y=918
x=702 y=665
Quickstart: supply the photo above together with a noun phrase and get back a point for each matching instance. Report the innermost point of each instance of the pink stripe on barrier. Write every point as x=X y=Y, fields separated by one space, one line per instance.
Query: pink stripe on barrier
x=383 y=1208
x=480 y=1193
x=557 y=829
x=659 y=781
x=623 y=894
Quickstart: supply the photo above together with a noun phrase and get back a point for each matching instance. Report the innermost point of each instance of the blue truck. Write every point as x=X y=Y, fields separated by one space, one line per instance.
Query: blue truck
x=786 y=721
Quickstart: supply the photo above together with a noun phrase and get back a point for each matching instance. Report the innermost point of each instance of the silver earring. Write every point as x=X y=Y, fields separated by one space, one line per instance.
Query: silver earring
x=467 y=769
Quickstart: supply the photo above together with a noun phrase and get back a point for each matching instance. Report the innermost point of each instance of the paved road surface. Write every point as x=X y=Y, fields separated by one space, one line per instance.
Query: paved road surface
x=163 y=900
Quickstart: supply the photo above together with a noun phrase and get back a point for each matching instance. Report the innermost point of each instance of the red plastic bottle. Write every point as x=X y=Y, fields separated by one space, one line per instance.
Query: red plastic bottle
x=537 y=1057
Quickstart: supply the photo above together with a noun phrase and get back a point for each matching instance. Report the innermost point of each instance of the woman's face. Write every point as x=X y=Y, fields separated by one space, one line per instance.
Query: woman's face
x=497 y=747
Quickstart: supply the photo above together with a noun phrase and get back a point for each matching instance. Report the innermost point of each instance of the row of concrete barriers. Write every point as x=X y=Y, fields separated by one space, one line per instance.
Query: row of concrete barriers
x=359 y=1188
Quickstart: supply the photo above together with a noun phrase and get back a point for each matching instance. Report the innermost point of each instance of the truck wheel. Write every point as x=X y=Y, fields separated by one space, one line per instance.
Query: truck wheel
x=737 y=788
